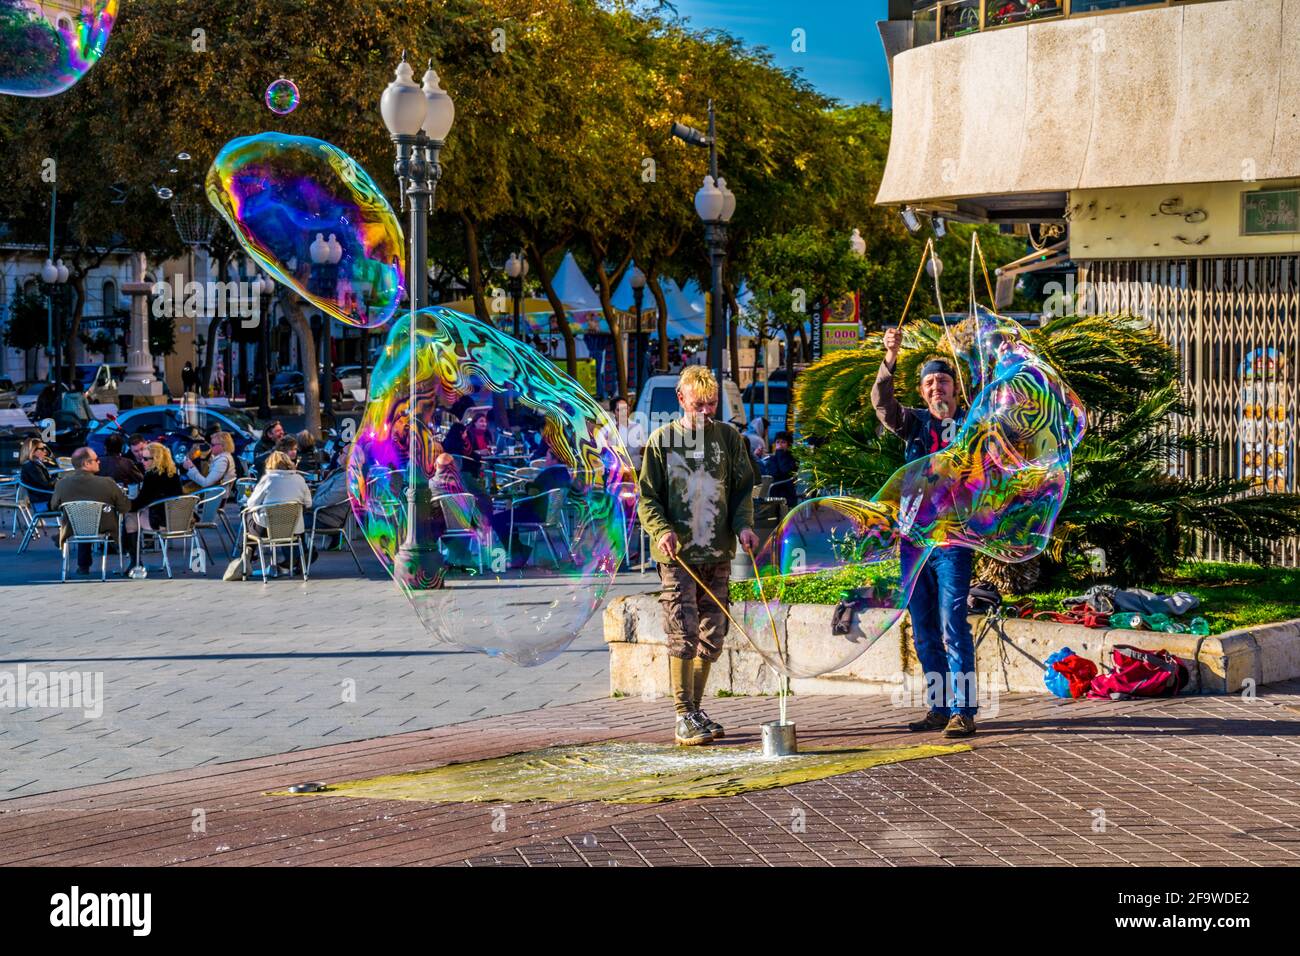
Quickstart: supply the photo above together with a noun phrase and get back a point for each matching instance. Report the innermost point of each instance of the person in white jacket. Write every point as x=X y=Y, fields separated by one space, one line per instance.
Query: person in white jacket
x=280 y=484
x=221 y=468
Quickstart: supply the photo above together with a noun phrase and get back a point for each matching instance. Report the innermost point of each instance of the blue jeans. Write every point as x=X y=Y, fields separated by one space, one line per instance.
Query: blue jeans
x=941 y=630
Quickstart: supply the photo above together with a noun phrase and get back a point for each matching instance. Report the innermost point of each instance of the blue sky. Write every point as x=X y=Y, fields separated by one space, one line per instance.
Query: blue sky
x=843 y=55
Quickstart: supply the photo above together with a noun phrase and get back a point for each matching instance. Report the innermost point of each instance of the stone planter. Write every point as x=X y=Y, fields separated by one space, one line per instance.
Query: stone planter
x=1010 y=662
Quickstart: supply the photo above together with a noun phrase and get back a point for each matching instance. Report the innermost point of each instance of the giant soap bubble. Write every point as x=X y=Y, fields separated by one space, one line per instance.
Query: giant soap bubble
x=47 y=47
x=517 y=560
x=997 y=489
x=315 y=220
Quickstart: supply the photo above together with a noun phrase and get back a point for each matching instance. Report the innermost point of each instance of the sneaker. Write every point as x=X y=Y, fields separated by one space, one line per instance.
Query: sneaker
x=689 y=733
x=934 y=720
x=960 y=726
x=709 y=724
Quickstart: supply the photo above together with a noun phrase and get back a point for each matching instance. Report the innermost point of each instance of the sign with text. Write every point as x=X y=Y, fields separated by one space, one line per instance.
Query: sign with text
x=840 y=335
x=1267 y=212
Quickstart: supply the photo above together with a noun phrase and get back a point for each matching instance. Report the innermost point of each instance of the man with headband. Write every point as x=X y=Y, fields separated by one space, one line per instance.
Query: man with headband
x=696 y=488
x=940 y=628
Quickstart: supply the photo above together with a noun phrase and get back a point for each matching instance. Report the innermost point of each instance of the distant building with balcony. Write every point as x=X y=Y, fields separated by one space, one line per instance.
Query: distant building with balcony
x=1161 y=143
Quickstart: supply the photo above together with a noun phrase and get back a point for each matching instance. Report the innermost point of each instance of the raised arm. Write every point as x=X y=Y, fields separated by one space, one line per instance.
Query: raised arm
x=891 y=414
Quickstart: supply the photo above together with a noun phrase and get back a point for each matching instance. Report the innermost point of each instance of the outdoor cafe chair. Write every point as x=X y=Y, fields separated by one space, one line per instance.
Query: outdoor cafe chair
x=36 y=520
x=458 y=511
x=209 y=515
x=13 y=498
x=553 y=522
x=343 y=532
x=83 y=526
x=278 y=526
x=178 y=525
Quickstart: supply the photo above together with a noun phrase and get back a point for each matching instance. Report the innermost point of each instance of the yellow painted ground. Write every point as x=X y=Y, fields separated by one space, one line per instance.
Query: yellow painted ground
x=621 y=773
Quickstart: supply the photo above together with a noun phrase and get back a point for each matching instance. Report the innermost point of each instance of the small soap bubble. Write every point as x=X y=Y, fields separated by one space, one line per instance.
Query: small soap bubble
x=282 y=97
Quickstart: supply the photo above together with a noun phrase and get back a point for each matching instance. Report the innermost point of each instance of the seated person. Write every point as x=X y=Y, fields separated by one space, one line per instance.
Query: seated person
x=84 y=483
x=478 y=437
x=35 y=473
x=118 y=465
x=161 y=480
x=266 y=444
x=279 y=485
x=309 y=454
x=220 y=464
x=783 y=468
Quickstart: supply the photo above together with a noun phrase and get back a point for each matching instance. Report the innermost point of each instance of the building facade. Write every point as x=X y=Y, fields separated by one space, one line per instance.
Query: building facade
x=1161 y=141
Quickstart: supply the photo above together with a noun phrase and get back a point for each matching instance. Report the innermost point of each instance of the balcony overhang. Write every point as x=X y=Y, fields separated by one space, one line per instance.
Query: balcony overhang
x=1002 y=124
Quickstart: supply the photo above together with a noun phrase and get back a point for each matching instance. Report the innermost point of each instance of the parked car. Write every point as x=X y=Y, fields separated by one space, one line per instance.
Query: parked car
x=777 y=408
x=657 y=404
x=8 y=394
x=285 y=387
x=28 y=395
x=176 y=426
x=350 y=376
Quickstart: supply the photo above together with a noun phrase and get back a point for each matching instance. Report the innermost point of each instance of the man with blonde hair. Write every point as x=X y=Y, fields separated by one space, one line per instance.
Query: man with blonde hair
x=696 y=500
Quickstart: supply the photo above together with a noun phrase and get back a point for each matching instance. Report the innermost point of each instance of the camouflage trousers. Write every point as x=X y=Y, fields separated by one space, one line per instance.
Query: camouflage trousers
x=693 y=621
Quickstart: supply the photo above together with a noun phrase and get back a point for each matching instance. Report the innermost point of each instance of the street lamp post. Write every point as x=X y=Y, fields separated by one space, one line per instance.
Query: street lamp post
x=638 y=292
x=263 y=286
x=418 y=120
x=516 y=269
x=714 y=203
x=54 y=285
x=325 y=257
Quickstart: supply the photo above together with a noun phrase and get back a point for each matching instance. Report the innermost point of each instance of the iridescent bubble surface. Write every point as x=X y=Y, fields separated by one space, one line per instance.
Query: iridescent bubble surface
x=282 y=97
x=47 y=47
x=524 y=557
x=997 y=488
x=314 y=220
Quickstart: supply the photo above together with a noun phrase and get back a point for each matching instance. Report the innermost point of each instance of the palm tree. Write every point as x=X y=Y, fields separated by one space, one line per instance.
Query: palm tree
x=1128 y=494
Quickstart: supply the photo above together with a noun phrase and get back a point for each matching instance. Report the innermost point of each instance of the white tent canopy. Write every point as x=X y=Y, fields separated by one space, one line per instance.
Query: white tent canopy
x=573 y=288
x=685 y=321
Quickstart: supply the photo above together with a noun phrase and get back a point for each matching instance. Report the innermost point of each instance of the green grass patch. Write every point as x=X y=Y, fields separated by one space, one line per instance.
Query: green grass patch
x=1232 y=595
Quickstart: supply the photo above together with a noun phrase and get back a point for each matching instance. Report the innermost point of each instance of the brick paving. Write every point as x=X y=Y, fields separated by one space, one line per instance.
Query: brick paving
x=1198 y=781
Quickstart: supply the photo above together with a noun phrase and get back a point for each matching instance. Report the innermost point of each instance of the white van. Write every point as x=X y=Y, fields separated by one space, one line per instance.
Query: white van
x=657 y=404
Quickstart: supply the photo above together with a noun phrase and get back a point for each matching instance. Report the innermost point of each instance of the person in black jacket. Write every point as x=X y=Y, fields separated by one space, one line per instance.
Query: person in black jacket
x=161 y=480
x=121 y=467
x=782 y=467
x=35 y=473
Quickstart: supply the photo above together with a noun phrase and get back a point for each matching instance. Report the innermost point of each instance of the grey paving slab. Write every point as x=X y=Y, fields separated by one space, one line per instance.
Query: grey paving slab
x=197 y=670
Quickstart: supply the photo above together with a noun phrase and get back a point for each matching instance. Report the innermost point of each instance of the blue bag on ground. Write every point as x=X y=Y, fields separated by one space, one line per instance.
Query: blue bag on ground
x=1055 y=681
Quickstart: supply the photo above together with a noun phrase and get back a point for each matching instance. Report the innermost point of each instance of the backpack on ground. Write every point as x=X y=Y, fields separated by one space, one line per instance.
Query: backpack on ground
x=1140 y=673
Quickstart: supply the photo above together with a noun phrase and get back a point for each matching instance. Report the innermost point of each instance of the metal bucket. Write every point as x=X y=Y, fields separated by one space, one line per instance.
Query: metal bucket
x=779 y=739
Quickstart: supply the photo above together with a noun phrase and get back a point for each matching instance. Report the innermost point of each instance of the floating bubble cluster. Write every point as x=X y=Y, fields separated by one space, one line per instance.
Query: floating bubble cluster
x=46 y=47
x=282 y=97
x=314 y=220
x=517 y=561
x=997 y=488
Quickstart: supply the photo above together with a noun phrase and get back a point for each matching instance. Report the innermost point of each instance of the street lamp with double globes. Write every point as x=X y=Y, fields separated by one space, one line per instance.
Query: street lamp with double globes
x=516 y=270
x=715 y=204
x=325 y=257
x=418 y=120
x=638 y=365
x=54 y=284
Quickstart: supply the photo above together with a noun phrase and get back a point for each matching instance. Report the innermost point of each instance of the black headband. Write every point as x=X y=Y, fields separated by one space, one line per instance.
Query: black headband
x=937 y=366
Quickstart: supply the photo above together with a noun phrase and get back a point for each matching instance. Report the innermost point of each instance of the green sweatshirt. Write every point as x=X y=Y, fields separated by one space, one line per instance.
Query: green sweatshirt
x=700 y=487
